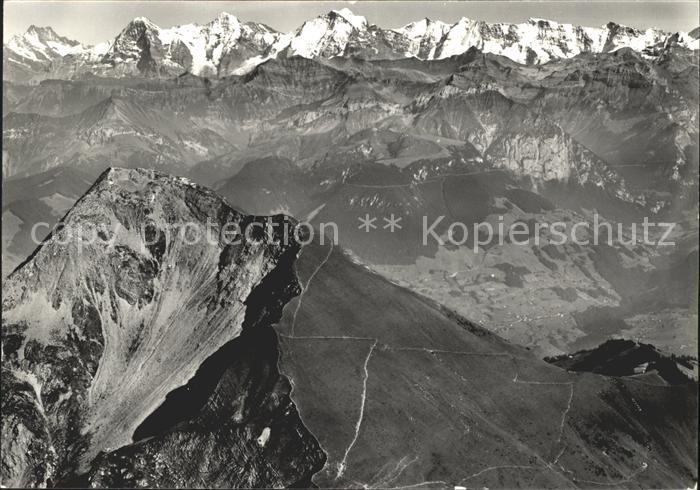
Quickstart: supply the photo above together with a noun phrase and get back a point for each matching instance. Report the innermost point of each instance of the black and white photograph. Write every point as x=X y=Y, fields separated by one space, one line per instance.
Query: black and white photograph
x=350 y=245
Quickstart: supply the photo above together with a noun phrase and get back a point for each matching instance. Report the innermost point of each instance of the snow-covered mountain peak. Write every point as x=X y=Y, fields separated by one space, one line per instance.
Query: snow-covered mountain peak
x=134 y=32
x=137 y=26
x=229 y=46
x=225 y=17
x=423 y=27
x=540 y=40
x=40 y=45
x=46 y=33
x=357 y=21
x=143 y=21
x=620 y=36
x=547 y=23
x=36 y=35
x=423 y=37
x=466 y=20
x=327 y=35
x=224 y=46
x=225 y=24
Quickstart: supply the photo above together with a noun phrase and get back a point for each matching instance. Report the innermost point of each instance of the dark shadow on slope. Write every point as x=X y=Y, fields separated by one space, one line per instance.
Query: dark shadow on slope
x=236 y=395
x=620 y=357
x=251 y=356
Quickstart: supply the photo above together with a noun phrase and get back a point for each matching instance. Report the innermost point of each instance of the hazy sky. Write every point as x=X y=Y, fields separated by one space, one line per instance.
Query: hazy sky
x=97 y=21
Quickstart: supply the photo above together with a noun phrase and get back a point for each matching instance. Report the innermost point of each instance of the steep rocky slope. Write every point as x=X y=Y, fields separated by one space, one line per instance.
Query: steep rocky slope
x=122 y=306
x=157 y=361
x=427 y=398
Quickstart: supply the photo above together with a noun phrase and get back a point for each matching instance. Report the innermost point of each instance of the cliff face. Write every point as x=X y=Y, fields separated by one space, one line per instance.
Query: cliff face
x=96 y=332
x=233 y=424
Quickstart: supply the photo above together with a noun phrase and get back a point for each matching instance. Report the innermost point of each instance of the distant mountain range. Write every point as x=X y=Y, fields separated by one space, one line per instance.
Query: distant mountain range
x=228 y=46
x=469 y=137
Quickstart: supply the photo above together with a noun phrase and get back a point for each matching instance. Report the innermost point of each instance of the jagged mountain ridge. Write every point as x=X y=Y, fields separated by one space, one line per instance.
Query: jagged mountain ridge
x=309 y=108
x=42 y=44
x=39 y=52
x=227 y=46
x=393 y=393
x=115 y=127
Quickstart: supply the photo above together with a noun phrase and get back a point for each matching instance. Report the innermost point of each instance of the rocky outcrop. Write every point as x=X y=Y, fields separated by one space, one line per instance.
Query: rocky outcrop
x=621 y=357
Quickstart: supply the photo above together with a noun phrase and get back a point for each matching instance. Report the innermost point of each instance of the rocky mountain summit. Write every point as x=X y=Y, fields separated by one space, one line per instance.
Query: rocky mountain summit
x=139 y=357
x=228 y=46
x=225 y=46
x=118 y=308
x=40 y=52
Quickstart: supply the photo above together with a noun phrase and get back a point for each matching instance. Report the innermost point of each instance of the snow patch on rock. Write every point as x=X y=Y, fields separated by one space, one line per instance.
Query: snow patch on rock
x=263 y=437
